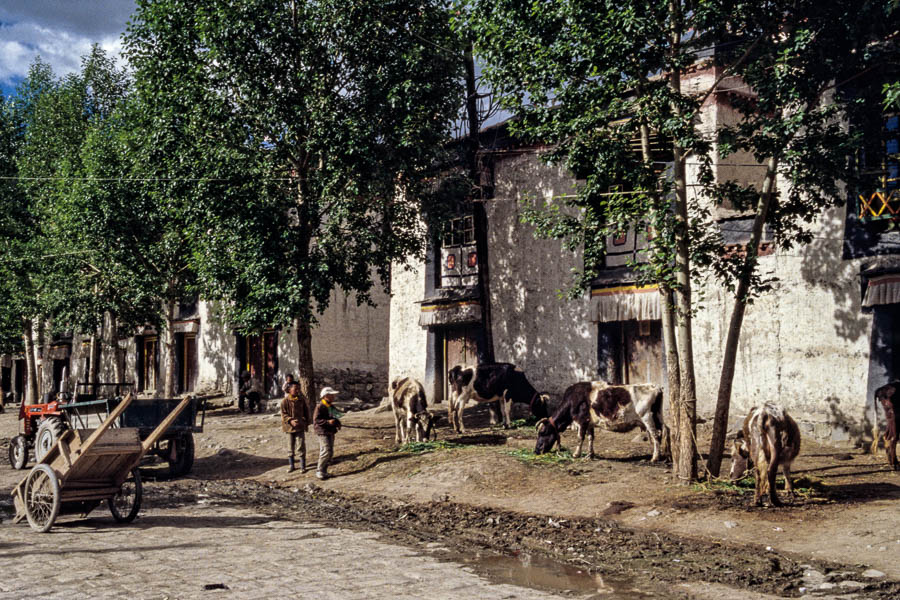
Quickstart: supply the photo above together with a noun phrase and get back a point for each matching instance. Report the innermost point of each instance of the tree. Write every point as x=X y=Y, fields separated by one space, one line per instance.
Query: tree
x=309 y=129
x=21 y=237
x=794 y=122
x=594 y=79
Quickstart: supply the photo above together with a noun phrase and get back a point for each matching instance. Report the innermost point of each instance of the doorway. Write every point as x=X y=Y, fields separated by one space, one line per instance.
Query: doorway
x=460 y=348
x=186 y=351
x=632 y=352
x=259 y=355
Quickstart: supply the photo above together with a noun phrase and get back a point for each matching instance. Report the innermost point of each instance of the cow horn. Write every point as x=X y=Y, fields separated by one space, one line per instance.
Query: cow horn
x=537 y=426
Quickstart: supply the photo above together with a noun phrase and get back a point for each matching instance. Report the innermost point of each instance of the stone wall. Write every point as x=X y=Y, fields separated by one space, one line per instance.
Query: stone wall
x=408 y=340
x=368 y=386
x=552 y=339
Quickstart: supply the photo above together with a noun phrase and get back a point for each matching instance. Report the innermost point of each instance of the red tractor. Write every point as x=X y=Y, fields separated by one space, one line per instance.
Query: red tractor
x=43 y=425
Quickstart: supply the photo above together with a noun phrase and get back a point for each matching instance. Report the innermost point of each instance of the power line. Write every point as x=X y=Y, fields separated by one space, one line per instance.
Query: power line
x=138 y=179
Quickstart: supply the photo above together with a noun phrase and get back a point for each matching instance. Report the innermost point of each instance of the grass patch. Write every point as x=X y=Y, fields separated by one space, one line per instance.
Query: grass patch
x=805 y=487
x=560 y=457
x=426 y=447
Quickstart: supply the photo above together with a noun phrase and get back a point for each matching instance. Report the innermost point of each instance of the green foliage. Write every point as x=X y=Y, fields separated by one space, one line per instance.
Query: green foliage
x=560 y=457
x=427 y=447
x=313 y=127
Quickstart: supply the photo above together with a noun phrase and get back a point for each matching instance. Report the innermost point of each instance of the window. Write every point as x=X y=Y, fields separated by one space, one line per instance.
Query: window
x=880 y=166
x=459 y=232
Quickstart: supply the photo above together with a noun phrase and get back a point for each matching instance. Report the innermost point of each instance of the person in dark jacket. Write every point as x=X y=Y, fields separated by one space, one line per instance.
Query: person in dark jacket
x=326 y=424
x=295 y=422
x=250 y=389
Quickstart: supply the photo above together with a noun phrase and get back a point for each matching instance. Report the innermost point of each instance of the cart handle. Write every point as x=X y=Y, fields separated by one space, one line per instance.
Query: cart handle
x=162 y=427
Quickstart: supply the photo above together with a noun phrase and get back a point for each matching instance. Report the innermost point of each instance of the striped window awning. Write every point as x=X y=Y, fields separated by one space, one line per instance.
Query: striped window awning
x=883 y=289
x=625 y=302
x=450 y=313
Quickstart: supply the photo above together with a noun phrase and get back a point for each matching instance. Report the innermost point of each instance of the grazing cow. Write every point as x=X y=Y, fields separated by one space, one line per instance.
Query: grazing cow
x=890 y=402
x=410 y=410
x=488 y=383
x=770 y=438
x=615 y=407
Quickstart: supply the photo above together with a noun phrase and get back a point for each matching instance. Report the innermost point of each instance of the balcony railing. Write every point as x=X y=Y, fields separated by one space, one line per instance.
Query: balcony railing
x=879 y=205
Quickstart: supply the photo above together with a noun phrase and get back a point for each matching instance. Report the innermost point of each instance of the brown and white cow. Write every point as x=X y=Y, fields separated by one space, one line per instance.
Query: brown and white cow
x=618 y=408
x=501 y=382
x=769 y=438
x=410 y=410
x=889 y=398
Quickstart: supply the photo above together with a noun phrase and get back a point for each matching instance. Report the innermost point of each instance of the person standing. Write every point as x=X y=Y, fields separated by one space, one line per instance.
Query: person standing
x=326 y=424
x=288 y=382
x=295 y=422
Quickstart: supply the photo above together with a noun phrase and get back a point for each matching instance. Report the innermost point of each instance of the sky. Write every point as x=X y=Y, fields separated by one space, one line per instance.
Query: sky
x=59 y=31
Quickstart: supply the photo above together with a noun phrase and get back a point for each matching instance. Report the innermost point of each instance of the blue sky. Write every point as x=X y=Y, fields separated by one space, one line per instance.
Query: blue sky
x=59 y=31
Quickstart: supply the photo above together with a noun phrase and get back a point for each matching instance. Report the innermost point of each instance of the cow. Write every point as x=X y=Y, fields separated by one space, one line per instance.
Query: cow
x=769 y=438
x=889 y=399
x=618 y=408
x=489 y=383
x=410 y=410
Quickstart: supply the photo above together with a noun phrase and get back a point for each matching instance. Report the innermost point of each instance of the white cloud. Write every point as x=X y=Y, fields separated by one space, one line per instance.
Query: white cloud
x=59 y=32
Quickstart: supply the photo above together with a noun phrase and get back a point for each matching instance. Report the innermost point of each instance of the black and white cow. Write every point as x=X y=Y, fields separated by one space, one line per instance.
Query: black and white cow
x=488 y=383
x=410 y=410
x=618 y=408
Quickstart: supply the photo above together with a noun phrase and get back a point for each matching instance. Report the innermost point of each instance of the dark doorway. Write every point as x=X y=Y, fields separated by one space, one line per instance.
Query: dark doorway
x=631 y=352
x=5 y=381
x=147 y=363
x=259 y=355
x=60 y=370
x=460 y=348
x=20 y=378
x=186 y=353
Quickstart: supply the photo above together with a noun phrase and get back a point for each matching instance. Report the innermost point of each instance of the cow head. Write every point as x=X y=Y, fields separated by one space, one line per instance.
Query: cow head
x=740 y=456
x=426 y=419
x=547 y=436
x=540 y=406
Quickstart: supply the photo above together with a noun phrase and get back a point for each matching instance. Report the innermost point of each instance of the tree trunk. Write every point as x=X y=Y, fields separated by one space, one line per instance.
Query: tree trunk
x=306 y=376
x=723 y=402
x=169 y=343
x=94 y=361
x=686 y=468
x=673 y=371
x=31 y=387
x=673 y=368
x=118 y=362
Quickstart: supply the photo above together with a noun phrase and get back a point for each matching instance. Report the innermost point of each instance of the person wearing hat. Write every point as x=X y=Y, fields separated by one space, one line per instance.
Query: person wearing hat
x=295 y=422
x=326 y=424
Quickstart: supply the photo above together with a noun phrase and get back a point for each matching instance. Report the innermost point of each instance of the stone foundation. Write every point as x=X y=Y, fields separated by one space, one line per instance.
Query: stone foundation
x=368 y=386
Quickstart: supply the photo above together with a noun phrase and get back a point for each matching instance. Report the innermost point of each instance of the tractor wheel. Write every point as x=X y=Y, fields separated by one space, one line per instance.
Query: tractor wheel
x=125 y=505
x=41 y=498
x=47 y=435
x=184 y=455
x=18 y=452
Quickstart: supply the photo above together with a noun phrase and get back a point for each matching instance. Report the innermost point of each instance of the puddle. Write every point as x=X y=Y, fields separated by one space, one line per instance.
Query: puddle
x=541 y=573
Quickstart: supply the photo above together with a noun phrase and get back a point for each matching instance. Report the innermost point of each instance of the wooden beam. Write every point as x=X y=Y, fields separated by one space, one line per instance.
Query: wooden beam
x=162 y=427
x=110 y=420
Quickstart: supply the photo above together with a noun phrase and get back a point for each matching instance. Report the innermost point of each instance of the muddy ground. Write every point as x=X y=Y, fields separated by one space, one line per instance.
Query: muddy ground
x=619 y=514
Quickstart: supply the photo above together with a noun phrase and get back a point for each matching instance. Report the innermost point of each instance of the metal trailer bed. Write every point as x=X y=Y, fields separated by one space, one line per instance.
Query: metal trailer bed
x=85 y=467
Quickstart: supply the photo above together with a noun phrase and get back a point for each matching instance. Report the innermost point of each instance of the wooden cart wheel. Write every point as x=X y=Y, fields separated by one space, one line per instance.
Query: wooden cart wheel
x=18 y=452
x=41 y=498
x=125 y=505
x=47 y=435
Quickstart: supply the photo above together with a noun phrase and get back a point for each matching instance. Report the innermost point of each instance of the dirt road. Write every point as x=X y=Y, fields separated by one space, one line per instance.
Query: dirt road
x=619 y=515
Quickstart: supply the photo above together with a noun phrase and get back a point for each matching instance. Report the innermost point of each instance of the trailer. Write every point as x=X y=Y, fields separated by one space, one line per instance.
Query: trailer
x=43 y=424
x=85 y=467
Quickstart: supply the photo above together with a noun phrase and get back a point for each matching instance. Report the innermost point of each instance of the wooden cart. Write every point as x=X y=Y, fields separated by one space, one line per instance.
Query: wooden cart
x=86 y=467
